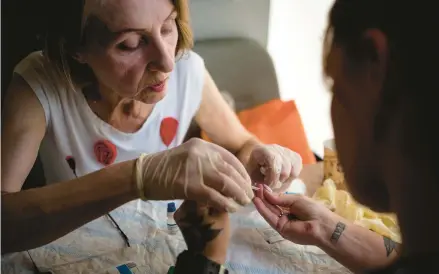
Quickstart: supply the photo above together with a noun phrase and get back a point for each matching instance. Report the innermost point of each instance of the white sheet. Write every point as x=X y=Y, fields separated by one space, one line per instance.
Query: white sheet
x=97 y=247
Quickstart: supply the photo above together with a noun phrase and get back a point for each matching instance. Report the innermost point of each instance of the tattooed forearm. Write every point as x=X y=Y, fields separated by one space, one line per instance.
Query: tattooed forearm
x=196 y=233
x=391 y=246
x=339 y=228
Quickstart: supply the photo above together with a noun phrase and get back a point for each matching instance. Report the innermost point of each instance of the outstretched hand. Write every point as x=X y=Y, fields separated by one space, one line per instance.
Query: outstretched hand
x=296 y=217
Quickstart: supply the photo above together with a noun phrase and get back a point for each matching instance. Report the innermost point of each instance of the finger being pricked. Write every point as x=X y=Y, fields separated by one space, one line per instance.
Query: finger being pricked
x=276 y=202
x=273 y=215
x=260 y=194
x=282 y=200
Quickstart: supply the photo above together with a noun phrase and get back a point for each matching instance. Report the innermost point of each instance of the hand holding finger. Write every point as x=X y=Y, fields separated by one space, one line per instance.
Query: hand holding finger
x=227 y=180
x=240 y=174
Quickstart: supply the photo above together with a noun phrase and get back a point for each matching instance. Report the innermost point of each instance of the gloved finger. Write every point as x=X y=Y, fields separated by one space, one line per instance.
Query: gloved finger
x=227 y=186
x=230 y=165
x=271 y=170
x=231 y=159
x=218 y=201
x=285 y=172
x=296 y=169
x=296 y=164
x=237 y=179
x=284 y=162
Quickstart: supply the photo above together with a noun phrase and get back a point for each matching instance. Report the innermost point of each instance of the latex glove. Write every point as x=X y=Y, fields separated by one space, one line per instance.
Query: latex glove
x=297 y=218
x=198 y=171
x=274 y=165
x=205 y=230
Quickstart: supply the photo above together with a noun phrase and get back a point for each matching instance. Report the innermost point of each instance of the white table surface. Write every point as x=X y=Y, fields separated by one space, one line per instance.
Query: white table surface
x=97 y=247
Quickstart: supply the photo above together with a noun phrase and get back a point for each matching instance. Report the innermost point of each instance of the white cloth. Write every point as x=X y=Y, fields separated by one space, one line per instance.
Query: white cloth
x=73 y=129
x=97 y=247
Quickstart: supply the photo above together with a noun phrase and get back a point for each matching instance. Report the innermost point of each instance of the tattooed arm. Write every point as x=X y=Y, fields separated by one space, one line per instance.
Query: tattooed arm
x=357 y=248
x=205 y=230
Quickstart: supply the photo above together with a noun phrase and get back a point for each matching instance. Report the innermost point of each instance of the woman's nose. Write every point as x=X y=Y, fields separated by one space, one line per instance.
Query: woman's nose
x=160 y=57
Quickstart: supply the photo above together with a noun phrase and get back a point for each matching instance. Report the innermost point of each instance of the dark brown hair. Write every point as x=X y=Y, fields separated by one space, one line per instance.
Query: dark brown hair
x=65 y=36
x=412 y=76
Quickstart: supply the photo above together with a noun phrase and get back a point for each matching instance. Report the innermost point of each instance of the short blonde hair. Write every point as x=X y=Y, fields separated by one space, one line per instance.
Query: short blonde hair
x=65 y=36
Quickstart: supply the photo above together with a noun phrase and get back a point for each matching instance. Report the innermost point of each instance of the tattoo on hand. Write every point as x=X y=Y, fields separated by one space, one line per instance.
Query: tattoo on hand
x=339 y=228
x=196 y=233
x=390 y=246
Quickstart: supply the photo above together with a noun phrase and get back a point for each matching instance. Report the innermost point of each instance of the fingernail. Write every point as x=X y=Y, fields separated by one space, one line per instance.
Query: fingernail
x=247 y=200
x=268 y=189
x=288 y=192
x=232 y=206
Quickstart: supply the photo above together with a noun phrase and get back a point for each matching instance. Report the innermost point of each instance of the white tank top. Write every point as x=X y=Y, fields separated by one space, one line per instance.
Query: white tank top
x=75 y=134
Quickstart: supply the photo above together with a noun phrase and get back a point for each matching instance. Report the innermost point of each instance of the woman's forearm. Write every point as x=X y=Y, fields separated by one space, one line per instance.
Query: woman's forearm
x=243 y=154
x=35 y=217
x=355 y=247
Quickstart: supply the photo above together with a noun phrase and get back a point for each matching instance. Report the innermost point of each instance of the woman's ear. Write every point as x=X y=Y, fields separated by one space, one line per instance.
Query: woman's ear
x=79 y=57
x=378 y=72
x=376 y=49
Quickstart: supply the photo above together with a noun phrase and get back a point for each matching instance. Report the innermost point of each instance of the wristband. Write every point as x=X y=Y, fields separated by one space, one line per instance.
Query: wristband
x=139 y=176
x=188 y=262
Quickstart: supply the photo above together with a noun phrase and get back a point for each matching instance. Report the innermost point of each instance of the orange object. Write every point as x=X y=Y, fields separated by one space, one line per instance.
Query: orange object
x=277 y=122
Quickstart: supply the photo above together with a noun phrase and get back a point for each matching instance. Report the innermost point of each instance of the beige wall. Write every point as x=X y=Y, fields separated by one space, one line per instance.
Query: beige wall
x=292 y=31
x=231 y=18
x=295 y=43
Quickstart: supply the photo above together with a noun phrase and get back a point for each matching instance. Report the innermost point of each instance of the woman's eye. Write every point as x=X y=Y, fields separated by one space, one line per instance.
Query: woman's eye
x=127 y=47
x=167 y=30
x=130 y=44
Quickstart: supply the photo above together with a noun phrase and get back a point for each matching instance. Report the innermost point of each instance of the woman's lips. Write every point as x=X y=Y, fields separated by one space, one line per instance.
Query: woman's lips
x=158 y=87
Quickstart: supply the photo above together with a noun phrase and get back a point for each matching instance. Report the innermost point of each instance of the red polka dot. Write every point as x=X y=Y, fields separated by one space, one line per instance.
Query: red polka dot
x=105 y=152
x=168 y=130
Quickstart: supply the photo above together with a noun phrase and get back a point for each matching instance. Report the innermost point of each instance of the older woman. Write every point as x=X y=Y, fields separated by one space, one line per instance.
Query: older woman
x=117 y=79
x=384 y=112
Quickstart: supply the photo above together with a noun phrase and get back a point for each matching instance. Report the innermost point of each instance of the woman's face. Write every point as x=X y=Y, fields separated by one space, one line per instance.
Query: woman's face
x=355 y=88
x=131 y=46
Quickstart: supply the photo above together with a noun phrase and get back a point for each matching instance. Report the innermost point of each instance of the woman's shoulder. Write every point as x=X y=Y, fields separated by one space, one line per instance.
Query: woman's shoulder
x=34 y=60
x=38 y=71
x=190 y=61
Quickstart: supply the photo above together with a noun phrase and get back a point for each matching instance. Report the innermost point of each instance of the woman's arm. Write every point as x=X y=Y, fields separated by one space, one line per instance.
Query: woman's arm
x=36 y=217
x=206 y=232
x=355 y=247
x=221 y=124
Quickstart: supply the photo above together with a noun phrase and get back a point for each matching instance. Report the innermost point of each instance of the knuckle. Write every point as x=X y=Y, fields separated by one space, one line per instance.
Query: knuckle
x=194 y=142
x=210 y=195
x=284 y=175
x=223 y=166
x=221 y=182
x=194 y=149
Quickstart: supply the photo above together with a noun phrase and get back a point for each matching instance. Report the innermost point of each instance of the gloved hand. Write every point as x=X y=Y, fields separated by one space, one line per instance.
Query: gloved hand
x=196 y=170
x=273 y=165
